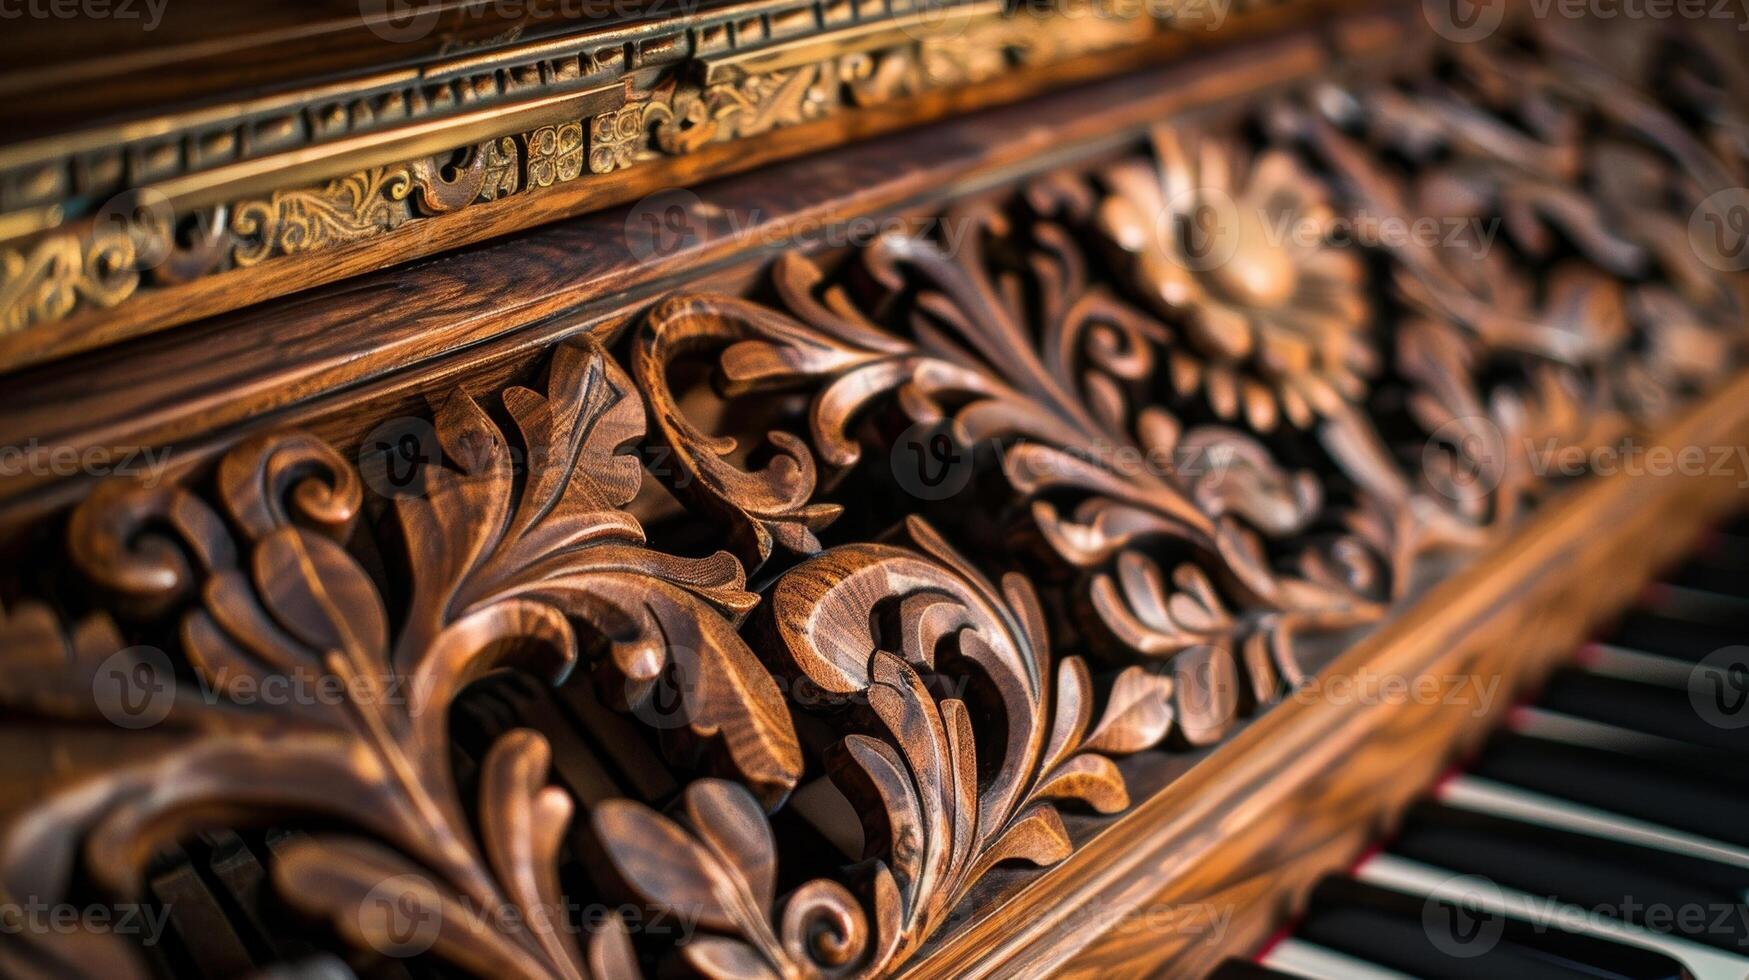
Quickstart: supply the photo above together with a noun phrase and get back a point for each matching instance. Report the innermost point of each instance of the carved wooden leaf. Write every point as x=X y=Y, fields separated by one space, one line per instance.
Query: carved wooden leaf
x=1138 y=714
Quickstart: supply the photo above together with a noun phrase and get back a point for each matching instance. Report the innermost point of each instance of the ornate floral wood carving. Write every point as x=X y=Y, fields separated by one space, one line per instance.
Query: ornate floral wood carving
x=1199 y=429
x=1046 y=366
x=500 y=564
x=934 y=822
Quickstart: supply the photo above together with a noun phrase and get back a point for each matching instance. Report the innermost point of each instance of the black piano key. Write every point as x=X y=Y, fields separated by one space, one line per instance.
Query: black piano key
x=1672 y=893
x=1433 y=939
x=1662 y=794
x=1703 y=764
x=1648 y=708
x=1705 y=576
x=1652 y=632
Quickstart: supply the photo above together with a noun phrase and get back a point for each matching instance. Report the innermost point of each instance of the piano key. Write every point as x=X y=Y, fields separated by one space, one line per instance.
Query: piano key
x=1697 y=605
x=1298 y=958
x=1484 y=796
x=1662 y=793
x=1668 y=636
x=1623 y=663
x=1237 y=969
x=1641 y=707
x=1721 y=572
x=1409 y=934
x=1432 y=882
x=1661 y=890
x=1704 y=765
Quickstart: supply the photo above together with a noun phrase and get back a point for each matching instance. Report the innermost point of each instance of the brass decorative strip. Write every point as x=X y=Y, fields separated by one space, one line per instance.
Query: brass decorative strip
x=178 y=221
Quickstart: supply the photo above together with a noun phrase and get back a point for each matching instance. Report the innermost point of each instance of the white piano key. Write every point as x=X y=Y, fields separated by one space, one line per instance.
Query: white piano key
x=1628 y=664
x=1427 y=881
x=1487 y=796
x=1314 y=962
x=1553 y=726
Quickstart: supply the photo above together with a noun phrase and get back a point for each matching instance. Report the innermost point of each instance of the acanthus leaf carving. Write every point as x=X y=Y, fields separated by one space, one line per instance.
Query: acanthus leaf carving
x=936 y=819
x=501 y=566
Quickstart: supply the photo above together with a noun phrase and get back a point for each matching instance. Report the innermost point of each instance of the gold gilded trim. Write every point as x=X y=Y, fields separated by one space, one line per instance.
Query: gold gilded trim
x=572 y=113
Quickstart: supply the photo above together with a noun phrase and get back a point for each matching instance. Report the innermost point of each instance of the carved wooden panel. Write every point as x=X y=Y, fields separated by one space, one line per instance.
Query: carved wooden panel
x=941 y=541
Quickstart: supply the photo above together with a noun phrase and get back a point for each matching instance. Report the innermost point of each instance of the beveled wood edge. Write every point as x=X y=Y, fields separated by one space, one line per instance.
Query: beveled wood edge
x=193 y=388
x=1225 y=854
x=154 y=307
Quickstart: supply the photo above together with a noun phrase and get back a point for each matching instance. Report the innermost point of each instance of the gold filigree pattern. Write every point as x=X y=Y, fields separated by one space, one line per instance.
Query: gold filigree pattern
x=555 y=154
x=342 y=211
